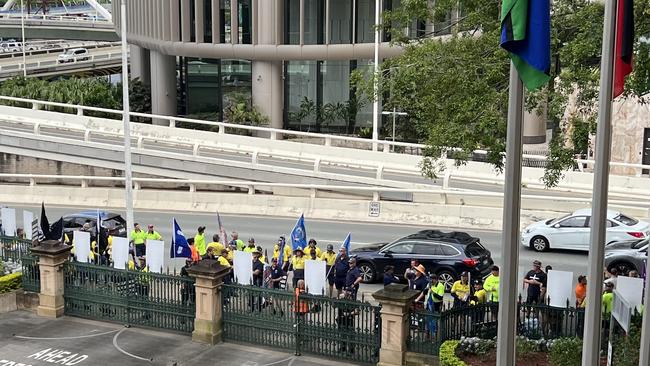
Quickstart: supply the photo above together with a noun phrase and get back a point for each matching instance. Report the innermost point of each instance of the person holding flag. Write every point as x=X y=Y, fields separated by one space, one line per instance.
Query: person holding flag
x=282 y=252
x=298 y=266
x=329 y=256
x=222 y=231
x=180 y=248
x=341 y=266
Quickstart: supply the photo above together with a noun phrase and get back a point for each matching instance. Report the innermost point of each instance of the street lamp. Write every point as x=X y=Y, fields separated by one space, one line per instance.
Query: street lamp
x=128 y=176
x=375 y=104
x=395 y=113
x=22 y=28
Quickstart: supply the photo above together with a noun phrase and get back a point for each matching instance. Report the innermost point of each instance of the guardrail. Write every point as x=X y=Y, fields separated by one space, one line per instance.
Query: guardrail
x=58 y=46
x=32 y=66
x=276 y=133
x=251 y=188
x=55 y=18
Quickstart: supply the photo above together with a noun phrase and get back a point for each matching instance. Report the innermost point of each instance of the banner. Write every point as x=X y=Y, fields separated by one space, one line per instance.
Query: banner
x=8 y=221
x=120 y=252
x=243 y=267
x=560 y=288
x=631 y=289
x=155 y=255
x=28 y=219
x=36 y=230
x=81 y=243
x=315 y=277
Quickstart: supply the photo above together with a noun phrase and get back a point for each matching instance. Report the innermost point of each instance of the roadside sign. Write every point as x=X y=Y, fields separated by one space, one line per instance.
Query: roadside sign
x=374 y=209
x=622 y=311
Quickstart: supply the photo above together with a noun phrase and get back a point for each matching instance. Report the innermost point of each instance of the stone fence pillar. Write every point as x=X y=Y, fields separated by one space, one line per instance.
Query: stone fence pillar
x=51 y=256
x=395 y=301
x=208 y=324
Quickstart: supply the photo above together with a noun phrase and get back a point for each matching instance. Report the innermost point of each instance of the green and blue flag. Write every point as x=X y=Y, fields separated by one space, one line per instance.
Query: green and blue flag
x=526 y=35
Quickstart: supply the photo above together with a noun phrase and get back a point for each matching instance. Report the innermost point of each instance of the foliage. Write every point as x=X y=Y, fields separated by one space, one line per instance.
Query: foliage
x=328 y=112
x=10 y=282
x=463 y=103
x=476 y=346
x=448 y=354
x=566 y=352
x=626 y=347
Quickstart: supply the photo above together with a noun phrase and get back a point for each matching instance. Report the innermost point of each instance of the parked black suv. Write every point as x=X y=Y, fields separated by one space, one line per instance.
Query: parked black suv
x=112 y=222
x=446 y=254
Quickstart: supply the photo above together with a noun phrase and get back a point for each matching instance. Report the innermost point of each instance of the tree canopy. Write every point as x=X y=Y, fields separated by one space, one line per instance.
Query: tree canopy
x=455 y=88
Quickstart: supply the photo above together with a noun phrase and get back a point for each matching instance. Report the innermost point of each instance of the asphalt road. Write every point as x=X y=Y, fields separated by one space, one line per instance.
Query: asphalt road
x=266 y=231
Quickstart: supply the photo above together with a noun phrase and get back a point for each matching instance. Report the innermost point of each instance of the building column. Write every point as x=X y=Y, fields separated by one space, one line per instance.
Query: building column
x=208 y=322
x=163 y=86
x=267 y=75
x=535 y=127
x=395 y=302
x=140 y=64
x=52 y=254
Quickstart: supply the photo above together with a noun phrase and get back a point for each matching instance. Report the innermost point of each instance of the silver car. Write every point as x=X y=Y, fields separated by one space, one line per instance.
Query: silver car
x=627 y=255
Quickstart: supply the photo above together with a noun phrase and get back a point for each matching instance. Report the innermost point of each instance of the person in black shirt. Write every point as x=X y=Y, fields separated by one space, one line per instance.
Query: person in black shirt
x=258 y=269
x=187 y=291
x=535 y=279
x=389 y=275
x=276 y=274
x=420 y=283
x=353 y=278
x=340 y=271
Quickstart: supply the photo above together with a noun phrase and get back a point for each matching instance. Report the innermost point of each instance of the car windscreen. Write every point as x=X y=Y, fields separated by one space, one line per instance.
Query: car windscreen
x=556 y=220
x=113 y=222
x=626 y=220
x=475 y=250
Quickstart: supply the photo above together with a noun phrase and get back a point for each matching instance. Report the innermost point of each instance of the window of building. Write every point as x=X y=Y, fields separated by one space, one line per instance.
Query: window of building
x=340 y=22
x=224 y=21
x=192 y=21
x=314 y=16
x=365 y=21
x=207 y=21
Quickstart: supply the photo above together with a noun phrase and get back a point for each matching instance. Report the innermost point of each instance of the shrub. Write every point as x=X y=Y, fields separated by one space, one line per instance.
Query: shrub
x=476 y=346
x=10 y=282
x=566 y=352
x=448 y=354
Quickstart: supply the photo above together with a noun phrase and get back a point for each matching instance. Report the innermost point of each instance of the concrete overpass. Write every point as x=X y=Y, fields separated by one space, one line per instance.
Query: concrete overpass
x=57 y=27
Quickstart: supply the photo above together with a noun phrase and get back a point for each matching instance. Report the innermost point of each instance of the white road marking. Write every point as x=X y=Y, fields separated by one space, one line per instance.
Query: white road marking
x=125 y=352
x=74 y=337
x=290 y=359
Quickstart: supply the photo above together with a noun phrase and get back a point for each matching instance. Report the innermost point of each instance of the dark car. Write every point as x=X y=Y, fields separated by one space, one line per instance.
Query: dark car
x=627 y=255
x=112 y=222
x=446 y=254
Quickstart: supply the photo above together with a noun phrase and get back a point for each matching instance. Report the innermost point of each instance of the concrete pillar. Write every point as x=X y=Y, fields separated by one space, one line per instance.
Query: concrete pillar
x=51 y=256
x=267 y=76
x=208 y=324
x=535 y=127
x=163 y=86
x=140 y=64
x=395 y=301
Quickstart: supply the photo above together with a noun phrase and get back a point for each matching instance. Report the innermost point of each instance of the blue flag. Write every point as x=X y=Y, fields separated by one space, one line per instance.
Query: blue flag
x=526 y=35
x=282 y=243
x=180 y=248
x=346 y=244
x=299 y=234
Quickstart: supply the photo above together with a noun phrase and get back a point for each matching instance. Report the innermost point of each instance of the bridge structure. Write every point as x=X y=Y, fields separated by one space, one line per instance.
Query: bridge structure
x=252 y=169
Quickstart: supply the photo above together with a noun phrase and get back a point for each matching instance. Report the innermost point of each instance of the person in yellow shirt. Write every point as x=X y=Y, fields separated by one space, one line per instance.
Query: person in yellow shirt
x=152 y=234
x=287 y=252
x=139 y=237
x=223 y=258
x=608 y=299
x=479 y=296
x=199 y=241
x=232 y=248
x=216 y=244
x=460 y=290
x=298 y=266
x=250 y=248
x=329 y=257
x=262 y=256
x=492 y=285
x=312 y=247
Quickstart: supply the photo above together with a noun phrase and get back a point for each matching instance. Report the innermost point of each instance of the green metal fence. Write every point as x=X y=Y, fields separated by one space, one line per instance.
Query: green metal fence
x=428 y=330
x=164 y=301
x=12 y=249
x=337 y=328
x=31 y=274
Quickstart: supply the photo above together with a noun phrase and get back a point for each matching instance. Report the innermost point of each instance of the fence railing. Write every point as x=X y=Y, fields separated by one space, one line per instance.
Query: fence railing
x=428 y=330
x=31 y=274
x=336 y=328
x=13 y=249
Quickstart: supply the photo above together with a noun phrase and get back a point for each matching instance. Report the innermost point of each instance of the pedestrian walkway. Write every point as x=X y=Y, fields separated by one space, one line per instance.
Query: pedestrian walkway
x=31 y=340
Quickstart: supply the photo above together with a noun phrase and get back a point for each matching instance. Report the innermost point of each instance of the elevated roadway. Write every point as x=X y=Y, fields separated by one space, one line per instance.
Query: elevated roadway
x=57 y=27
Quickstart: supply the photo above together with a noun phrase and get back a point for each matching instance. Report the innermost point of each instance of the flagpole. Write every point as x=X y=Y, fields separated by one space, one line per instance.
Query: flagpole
x=592 y=329
x=506 y=340
x=644 y=354
x=128 y=175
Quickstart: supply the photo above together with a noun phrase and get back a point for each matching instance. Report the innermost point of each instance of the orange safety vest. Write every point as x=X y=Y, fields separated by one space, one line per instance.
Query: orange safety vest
x=195 y=253
x=300 y=306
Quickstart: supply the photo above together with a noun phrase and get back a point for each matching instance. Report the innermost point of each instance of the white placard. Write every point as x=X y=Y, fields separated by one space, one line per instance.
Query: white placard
x=560 y=289
x=8 y=221
x=155 y=255
x=120 y=252
x=28 y=218
x=622 y=311
x=631 y=289
x=315 y=277
x=81 y=240
x=243 y=267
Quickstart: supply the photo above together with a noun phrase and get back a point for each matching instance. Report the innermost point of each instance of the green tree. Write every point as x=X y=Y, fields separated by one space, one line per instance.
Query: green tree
x=455 y=89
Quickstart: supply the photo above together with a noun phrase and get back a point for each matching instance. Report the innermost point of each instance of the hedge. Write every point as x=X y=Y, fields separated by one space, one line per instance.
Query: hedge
x=448 y=354
x=10 y=282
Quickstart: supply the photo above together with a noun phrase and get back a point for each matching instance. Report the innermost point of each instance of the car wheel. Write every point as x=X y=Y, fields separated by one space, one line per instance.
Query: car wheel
x=447 y=278
x=367 y=272
x=539 y=244
x=623 y=268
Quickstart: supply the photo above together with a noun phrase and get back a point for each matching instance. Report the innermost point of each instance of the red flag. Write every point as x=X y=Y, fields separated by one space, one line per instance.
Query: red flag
x=624 y=47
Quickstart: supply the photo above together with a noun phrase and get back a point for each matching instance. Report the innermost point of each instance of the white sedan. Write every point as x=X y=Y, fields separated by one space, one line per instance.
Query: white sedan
x=572 y=231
